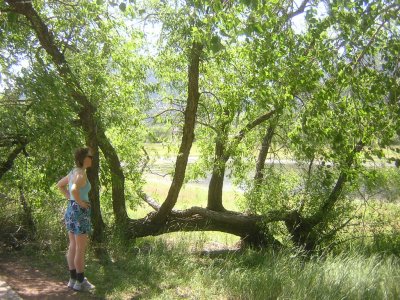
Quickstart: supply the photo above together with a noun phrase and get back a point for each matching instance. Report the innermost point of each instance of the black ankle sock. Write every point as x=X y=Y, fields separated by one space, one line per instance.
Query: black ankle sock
x=72 y=274
x=80 y=277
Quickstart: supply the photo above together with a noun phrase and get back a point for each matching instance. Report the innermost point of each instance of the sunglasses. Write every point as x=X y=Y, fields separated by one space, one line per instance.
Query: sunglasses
x=90 y=156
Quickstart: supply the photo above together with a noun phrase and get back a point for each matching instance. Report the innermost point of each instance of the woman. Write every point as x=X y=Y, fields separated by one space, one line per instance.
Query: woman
x=77 y=218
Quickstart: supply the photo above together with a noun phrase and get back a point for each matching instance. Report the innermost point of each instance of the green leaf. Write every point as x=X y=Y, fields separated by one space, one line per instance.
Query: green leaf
x=216 y=44
x=12 y=17
x=258 y=28
x=368 y=156
x=122 y=6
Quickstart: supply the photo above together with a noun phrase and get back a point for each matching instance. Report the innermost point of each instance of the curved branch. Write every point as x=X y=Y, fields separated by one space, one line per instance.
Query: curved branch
x=8 y=164
x=215 y=96
x=299 y=11
x=81 y=104
x=208 y=125
x=187 y=136
x=164 y=112
x=338 y=188
x=253 y=124
x=249 y=228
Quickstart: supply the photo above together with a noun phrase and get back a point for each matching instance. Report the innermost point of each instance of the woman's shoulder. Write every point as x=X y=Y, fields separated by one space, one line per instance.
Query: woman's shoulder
x=79 y=170
x=78 y=174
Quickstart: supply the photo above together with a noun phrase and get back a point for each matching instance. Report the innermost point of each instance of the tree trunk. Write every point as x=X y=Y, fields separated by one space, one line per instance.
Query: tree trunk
x=262 y=155
x=333 y=197
x=187 y=137
x=215 y=187
x=94 y=195
x=303 y=229
x=249 y=228
x=84 y=109
x=223 y=150
x=28 y=217
x=117 y=178
x=8 y=163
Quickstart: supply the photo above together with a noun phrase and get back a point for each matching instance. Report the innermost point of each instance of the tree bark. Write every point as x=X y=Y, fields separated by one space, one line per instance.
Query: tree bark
x=187 y=137
x=303 y=229
x=8 y=163
x=262 y=155
x=222 y=154
x=94 y=194
x=117 y=179
x=248 y=227
x=215 y=187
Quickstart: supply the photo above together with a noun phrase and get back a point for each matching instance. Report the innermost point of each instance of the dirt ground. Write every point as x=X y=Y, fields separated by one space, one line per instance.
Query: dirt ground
x=31 y=283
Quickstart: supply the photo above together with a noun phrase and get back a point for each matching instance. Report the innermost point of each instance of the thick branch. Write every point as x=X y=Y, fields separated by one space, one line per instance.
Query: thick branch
x=7 y=165
x=262 y=156
x=299 y=11
x=253 y=124
x=249 y=228
x=338 y=188
x=44 y=35
x=187 y=137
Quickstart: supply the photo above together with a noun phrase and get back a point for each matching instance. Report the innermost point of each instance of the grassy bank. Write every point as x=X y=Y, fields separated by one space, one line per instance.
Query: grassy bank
x=171 y=273
x=154 y=268
x=173 y=267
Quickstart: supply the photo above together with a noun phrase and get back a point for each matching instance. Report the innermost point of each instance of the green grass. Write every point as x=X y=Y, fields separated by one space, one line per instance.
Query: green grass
x=190 y=195
x=171 y=266
x=162 y=150
x=174 y=266
x=154 y=268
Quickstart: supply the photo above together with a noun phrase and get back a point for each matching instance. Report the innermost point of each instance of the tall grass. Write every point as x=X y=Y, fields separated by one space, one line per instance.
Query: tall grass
x=174 y=266
x=156 y=269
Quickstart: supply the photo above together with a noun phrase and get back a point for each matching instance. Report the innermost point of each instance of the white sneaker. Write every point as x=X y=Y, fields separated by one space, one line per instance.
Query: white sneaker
x=71 y=283
x=83 y=286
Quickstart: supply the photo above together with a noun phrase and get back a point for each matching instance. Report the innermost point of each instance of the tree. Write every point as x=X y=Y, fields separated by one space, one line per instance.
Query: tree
x=84 y=108
x=327 y=96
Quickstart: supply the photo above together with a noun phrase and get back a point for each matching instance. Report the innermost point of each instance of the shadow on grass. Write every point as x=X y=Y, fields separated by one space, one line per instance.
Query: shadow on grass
x=135 y=274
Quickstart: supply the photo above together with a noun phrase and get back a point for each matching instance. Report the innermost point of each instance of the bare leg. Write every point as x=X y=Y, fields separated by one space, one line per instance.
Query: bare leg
x=81 y=243
x=71 y=251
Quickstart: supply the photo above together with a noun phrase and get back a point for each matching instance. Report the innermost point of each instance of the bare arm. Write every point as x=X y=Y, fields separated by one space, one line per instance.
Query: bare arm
x=62 y=186
x=78 y=181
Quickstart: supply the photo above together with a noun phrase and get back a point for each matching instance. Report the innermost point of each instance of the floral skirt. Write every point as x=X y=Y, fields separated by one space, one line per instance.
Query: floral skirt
x=77 y=219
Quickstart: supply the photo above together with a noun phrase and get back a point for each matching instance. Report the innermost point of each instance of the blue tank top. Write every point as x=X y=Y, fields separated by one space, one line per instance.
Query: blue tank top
x=83 y=191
